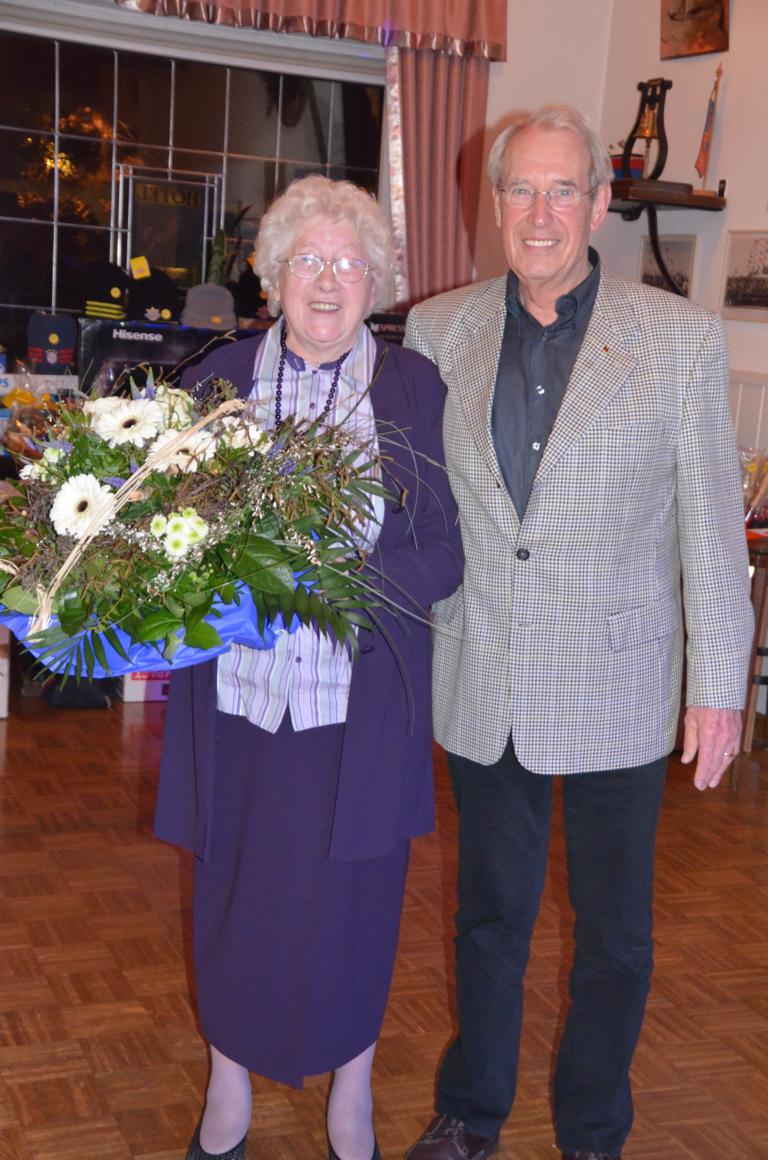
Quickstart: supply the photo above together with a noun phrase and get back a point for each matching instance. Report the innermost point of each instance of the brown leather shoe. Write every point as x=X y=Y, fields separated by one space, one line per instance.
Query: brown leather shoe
x=448 y=1139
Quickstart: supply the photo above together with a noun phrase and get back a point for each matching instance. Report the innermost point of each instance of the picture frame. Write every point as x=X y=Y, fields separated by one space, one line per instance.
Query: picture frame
x=678 y=252
x=694 y=27
x=745 y=284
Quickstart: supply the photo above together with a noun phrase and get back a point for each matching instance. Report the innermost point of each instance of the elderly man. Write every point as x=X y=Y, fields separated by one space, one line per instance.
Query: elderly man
x=591 y=452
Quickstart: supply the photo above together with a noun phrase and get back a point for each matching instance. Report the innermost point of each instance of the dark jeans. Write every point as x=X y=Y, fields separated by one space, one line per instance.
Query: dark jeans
x=610 y=829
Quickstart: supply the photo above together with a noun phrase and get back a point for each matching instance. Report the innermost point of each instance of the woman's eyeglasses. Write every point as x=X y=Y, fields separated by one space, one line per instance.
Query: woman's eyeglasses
x=311 y=266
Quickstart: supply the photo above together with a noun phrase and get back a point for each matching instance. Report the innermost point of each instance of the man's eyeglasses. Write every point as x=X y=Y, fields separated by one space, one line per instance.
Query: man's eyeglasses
x=561 y=198
x=311 y=266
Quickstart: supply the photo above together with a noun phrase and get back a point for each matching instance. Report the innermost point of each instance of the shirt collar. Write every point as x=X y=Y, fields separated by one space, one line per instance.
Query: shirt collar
x=568 y=306
x=355 y=370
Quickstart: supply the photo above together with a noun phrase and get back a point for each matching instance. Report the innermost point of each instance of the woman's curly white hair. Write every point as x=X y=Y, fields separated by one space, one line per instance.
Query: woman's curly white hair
x=337 y=200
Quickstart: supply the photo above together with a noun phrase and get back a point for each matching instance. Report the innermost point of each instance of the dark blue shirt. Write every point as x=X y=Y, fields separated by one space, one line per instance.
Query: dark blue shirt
x=535 y=365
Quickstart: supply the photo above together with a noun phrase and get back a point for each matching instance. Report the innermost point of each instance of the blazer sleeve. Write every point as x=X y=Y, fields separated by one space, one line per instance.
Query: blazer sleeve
x=415 y=339
x=713 y=552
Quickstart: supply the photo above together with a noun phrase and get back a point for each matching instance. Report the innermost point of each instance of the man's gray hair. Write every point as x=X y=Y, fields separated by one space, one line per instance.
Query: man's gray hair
x=553 y=117
x=340 y=201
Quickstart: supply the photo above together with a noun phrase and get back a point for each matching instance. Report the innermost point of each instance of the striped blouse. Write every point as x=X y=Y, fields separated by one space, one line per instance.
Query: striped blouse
x=304 y=673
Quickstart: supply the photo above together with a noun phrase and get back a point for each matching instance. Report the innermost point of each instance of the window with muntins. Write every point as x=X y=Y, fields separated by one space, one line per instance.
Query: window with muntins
x=110 y=154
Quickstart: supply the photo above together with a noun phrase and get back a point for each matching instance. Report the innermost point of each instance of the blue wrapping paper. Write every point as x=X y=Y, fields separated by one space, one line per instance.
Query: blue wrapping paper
x=236 y=624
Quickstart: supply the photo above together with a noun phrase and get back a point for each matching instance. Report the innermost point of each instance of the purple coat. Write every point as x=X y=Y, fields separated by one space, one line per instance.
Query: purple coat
x=385 y=782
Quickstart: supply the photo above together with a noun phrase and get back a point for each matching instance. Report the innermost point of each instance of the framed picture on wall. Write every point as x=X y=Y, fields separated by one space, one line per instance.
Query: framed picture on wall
x=745 y=294
x=692 y=27
x=678 y=252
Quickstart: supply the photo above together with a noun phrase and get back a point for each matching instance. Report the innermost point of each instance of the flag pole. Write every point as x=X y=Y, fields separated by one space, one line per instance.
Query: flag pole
x=702 y=160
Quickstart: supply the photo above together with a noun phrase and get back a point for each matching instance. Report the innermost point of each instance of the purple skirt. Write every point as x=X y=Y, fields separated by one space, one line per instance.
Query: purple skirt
x=293 y=952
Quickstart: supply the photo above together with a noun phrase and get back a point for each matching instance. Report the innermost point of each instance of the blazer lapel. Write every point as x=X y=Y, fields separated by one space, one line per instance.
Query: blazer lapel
x=603 y=364
x=472 y=373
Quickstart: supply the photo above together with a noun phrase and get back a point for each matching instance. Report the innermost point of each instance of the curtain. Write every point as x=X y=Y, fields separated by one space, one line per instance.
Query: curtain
x=437 y=63
x=436 y=106
x=459 y=27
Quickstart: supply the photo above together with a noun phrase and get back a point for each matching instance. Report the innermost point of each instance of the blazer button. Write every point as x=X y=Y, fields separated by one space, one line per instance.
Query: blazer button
x=522 y=553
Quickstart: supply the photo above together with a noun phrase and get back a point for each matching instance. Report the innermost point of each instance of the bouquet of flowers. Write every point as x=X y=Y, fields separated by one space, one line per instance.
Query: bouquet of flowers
x=153 y=531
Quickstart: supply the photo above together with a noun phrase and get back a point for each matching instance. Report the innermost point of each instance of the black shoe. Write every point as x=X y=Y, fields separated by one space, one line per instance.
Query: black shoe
x=196 y=1151
x=447 y=1139
x=588 y=1156
x=376 y=1153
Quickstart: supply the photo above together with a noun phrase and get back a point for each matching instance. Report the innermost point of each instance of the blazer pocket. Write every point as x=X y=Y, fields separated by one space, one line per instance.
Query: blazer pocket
x=641 y=625
x=446 y=611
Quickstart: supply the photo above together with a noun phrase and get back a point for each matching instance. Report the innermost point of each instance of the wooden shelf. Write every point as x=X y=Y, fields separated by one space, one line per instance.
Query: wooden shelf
x=633 y=194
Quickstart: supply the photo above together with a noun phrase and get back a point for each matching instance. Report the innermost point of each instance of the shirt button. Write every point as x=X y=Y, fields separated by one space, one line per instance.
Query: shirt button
x=540 y=391
x=298 y=660
x=522 y=553
x=535 y=447
x=311 y=406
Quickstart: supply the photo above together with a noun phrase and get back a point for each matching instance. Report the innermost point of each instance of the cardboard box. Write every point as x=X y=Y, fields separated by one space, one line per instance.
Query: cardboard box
x=146 y=686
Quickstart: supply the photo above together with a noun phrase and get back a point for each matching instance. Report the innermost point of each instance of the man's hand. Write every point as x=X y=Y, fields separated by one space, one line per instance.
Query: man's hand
x=715 y=734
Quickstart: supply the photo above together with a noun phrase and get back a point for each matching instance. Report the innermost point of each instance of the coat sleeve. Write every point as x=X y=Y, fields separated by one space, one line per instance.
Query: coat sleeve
x=425 y=565
x=718 y=611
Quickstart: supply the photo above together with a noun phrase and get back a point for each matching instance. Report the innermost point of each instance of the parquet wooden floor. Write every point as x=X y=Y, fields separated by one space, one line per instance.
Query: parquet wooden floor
x=99 y=1053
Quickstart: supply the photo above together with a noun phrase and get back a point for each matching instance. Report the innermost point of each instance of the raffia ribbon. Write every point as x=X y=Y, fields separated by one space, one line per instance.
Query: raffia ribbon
x=153 y=462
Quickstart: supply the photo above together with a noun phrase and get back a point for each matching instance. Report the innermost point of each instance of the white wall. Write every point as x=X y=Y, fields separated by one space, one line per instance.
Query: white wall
x=739 y=152
x=592 y=54
x=557 y=50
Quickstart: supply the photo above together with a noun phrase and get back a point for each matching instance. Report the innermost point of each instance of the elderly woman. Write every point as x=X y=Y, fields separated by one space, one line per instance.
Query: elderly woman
x=297 y=775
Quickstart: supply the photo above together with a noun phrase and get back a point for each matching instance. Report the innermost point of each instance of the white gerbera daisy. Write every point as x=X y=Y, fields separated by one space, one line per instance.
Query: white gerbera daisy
x=194 y=450
x=158 y=525
x=80 y=501
x=103 y=405
x=133 y=421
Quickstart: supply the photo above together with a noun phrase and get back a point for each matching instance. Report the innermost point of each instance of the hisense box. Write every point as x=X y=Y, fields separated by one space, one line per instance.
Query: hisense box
x=107 y=351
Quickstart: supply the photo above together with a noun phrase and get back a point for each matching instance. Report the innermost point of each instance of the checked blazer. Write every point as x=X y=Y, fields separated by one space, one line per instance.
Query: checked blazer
x=567 y=633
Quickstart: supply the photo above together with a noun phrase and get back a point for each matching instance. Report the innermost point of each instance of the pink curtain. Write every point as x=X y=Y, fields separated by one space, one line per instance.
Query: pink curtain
x=460 y=27
x=441 y=122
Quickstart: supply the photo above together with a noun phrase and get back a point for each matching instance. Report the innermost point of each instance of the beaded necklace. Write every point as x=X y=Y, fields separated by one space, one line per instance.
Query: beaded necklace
x=279 y=385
